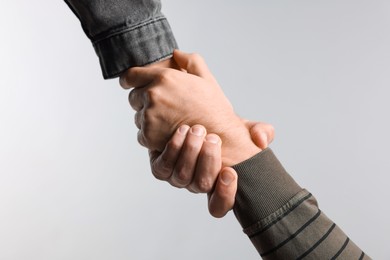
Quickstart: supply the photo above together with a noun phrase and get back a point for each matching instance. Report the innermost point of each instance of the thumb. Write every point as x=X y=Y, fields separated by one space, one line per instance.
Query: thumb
x=138 y=77
x=193 y=63
x=262 y=133
x=221 y=200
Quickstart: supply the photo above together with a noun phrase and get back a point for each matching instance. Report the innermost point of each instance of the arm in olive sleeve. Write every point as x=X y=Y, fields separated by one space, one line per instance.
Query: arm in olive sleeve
x=283 y=220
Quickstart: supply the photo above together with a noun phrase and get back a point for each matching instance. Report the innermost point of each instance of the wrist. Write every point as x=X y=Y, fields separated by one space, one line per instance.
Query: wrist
x=237 y=145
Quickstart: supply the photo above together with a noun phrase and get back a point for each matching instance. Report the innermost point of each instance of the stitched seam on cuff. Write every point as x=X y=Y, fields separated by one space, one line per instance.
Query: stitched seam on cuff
x=283 y=211
x=103 y=36
x=118 y=73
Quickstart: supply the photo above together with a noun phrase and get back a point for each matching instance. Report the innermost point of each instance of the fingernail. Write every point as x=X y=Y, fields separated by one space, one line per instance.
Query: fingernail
x=212 y=139
x=197 y=130
x=183 y=129
x=227 y=177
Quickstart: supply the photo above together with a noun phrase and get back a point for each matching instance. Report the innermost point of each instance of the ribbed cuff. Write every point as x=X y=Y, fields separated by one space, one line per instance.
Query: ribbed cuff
x=263 y=187
x=144 y=44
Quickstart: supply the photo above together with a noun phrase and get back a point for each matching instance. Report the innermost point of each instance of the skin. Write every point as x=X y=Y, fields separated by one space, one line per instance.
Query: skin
x=207 y=176
x=191 y=158
x=167 y=98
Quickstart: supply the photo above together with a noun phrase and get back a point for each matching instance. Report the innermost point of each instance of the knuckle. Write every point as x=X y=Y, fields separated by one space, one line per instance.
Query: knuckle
x=166 y=163
x=182 y=177
x=161 y=168
x=164 y=76
x=146 y=139
x=153 y=95
x=122 y=81
x=136 y=102
x=138 y=120
x=175 y=184
x=161 y=173
x=192 y=189
x=125 y=79
x=141 y=138
x=132 y=97
x=204 y=185
x=174 y=145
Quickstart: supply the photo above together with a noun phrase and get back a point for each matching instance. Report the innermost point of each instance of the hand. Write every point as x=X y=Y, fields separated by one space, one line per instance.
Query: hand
x=193 y=162
x=166 y=98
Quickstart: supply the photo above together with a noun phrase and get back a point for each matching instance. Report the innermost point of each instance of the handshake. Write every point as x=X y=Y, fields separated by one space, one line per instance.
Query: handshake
x=190 y=128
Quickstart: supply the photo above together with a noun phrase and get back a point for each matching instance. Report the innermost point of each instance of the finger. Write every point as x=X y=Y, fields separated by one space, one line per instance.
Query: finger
x=186 y=163
x=141 y=138
x=137 y=77
x=221 y=200
x=162 y=164
x=137 y=98
x=262 y=133
x=208 y=165
x=138 y=119
x=193 y=64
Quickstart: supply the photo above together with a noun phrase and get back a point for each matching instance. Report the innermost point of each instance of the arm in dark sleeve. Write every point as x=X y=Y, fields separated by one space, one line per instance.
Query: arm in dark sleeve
x=125 y=33
x=283 y=220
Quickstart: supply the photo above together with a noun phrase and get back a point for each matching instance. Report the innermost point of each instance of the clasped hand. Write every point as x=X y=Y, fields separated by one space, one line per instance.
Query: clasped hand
x=167 y=102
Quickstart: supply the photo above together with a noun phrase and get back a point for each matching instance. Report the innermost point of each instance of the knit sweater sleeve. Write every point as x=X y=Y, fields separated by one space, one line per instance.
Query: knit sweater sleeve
x=283 y=220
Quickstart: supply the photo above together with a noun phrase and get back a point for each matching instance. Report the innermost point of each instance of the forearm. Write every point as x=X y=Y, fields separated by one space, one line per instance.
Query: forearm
x=125 y=33
x=281 y=219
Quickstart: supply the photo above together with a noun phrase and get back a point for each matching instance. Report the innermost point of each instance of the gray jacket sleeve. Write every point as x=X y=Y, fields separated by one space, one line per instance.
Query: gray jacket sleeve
x=283 y=220
x=125 y=33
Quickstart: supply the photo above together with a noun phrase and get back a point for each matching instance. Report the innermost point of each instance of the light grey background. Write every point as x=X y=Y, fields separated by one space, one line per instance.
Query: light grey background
x=74 y=184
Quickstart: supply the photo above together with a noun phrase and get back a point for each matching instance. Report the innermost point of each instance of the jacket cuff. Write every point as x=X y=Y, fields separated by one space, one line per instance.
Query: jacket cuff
x=144 y=44
x=264 y=186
